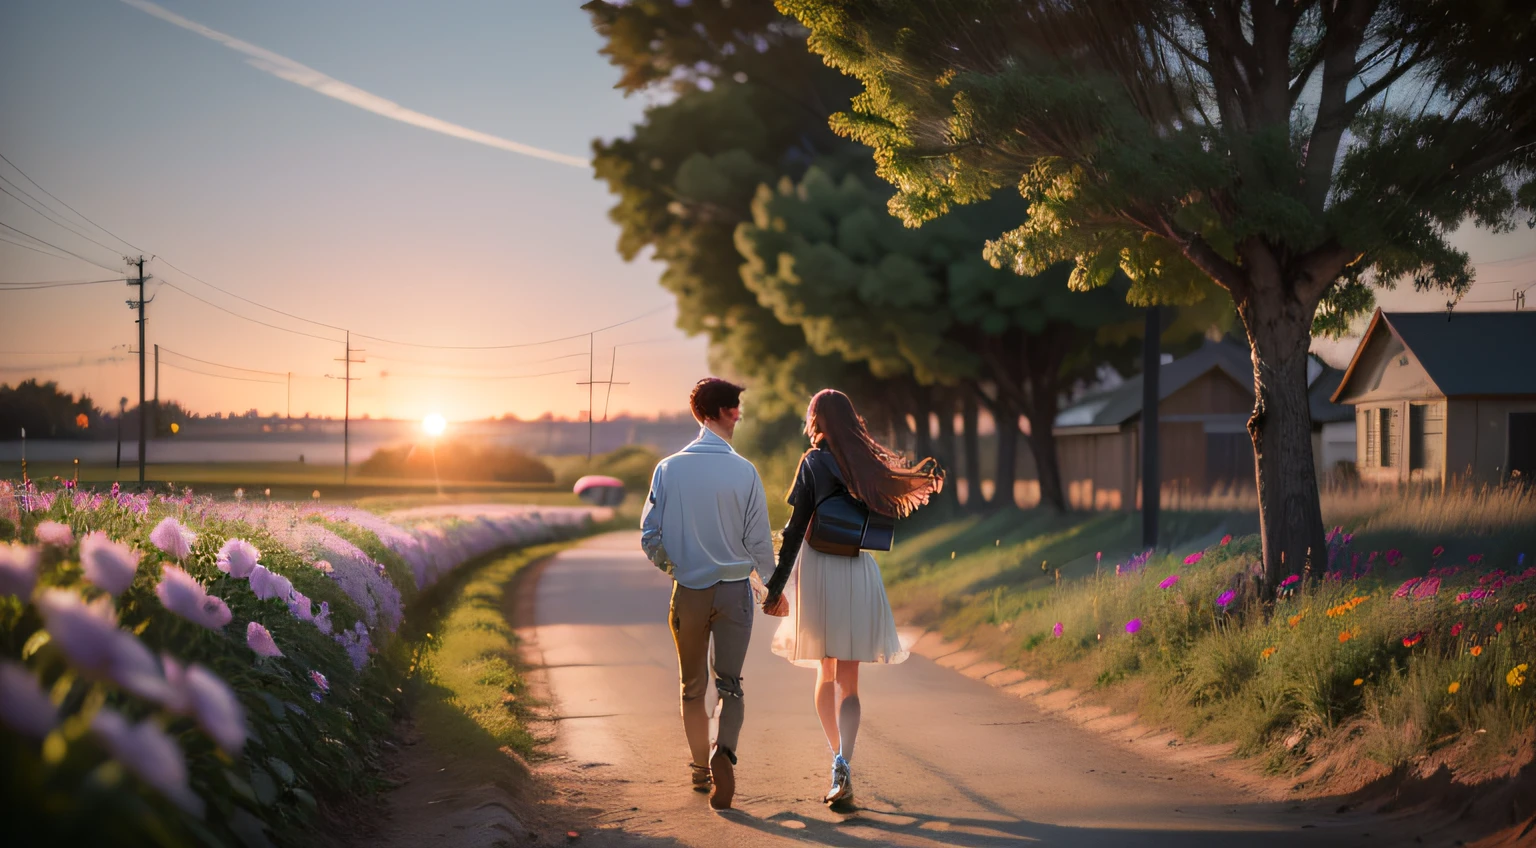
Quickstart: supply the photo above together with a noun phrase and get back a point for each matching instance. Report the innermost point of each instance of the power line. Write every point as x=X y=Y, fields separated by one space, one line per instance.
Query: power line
x=31 y=248
x=164 y=349
x=67 y=206
x=10 y=287
x=222 y=376
x=245 y=317
x=246 y=299
x=390 y=375
x=56 y=247
x=523 y=344
x=48 y=214
x=59 y=365
x=52 y=282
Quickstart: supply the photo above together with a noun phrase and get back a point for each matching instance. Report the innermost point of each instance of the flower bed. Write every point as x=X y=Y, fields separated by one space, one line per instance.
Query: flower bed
x=179 y=670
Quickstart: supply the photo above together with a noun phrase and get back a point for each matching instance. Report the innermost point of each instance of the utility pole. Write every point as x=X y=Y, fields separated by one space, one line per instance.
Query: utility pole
x=143 y=418
x=591 y=383
x=122 y=411
x=346 y=418
x=290 y=396
x=1151 y=478
x=608 y=394
x=157 y=388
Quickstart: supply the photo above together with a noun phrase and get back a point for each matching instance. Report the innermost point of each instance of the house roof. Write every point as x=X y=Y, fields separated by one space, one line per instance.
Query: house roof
x=1122 y=404
x=1471 y=353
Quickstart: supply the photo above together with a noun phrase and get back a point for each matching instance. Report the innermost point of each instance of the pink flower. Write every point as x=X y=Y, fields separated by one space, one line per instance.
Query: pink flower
x=1439 y=549
x=1456 y=628
x=1427 y=588
x=108 y=564
x=1194 y=557
x=1133 y=625
x=1226 y=539
x=237 y=558
x=267 y=584
x=1290 y=581
x=320 y=681
x=24 y=706
x=55 y=533
x=183 y=595
x=259 y=639
x=1403 y=590
x=18 y=569
x=1056 y=631
x=1475 y=559
x=145 y=750
x=1225 y=598
x=201 y=694
x=1168 y=582
x=299 y=605
x=170 y=536
x=88 y=636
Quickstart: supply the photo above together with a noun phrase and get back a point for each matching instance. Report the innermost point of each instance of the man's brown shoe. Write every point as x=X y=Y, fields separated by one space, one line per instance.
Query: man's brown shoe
x=700 y=778
x=724 y=773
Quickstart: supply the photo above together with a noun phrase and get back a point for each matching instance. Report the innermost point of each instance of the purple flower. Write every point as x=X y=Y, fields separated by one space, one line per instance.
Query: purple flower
x=258 y=639
x=1133 y=625
x=320 y=681
x=88 y=636
x=1194 y=557
x=25 y=707
x=145 y=750
x=299 y=605
x=183 y=595
x=18 y=569
x=237 y=558
x=170 y=536
x=316 y=697
x=1225 y=598
x=1169 y=582
x=200 y=693
x=267 y=584
x=55 y=533
x=108 y=564
x=1056 y=631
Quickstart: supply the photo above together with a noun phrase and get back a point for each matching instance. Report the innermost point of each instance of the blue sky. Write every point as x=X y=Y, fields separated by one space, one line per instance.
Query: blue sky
x=313 y=206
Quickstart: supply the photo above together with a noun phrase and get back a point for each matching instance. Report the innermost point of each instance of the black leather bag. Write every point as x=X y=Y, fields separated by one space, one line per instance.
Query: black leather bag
x=842 y=525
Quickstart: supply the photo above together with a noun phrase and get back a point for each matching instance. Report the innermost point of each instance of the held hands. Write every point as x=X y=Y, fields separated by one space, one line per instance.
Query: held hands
x=776 y=605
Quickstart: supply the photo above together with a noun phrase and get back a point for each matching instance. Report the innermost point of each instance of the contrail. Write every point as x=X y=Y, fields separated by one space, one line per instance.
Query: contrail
x=300 y=74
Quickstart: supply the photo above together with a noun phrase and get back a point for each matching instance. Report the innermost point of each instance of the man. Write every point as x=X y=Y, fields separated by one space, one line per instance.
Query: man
x=706 y=524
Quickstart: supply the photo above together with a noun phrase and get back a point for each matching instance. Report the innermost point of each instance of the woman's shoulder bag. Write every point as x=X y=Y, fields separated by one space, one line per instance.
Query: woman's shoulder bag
x=842 y=525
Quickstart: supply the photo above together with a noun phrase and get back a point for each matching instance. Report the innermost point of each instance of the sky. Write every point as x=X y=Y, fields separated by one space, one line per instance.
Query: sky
x=411 y=172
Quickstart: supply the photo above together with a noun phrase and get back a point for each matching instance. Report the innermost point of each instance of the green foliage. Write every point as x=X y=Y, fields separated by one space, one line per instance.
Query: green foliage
x=44 y=411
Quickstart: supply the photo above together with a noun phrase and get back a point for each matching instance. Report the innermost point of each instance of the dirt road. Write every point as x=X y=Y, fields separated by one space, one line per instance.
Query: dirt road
x=942 y=759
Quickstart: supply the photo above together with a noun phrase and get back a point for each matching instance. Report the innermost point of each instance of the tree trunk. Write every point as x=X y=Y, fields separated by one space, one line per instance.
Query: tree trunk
x=922 y=420
x=1042 y=390
x=1290 y=519
x=1007 y=419
x=969 y=415
x=944 y=448
x=1042 y=443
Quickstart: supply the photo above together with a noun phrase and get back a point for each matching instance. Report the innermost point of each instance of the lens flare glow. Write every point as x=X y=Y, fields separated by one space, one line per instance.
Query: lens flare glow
x=434 y=424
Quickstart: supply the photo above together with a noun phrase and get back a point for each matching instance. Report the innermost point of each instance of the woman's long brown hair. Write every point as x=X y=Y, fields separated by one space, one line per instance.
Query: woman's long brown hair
x=876 y=475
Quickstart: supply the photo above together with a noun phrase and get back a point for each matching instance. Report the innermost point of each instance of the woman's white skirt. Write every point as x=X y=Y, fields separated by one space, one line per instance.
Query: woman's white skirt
x=837 y=608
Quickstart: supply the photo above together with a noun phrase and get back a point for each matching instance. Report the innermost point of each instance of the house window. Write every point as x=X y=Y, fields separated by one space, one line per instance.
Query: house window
x=1382 y=437
x=1426 y=436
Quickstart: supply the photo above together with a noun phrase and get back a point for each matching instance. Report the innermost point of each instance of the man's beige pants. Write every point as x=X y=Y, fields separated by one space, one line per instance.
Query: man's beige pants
x=723 y=611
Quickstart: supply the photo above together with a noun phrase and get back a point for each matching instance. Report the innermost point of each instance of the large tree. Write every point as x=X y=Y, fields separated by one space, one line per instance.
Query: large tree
x=1295 y=153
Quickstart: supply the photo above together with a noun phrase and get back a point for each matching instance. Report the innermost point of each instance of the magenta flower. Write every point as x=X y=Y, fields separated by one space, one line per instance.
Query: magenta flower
x=171 y=537
x=1194 y=557
x=1056 y=631
x=237 y=558
x=320 y=681
x=1475 y=559
x=145 y=750
x=259 y=639
x=25 y=707
x=1290 y=581
x=267 y=584
x=1427 y=588
x=1133 y=625
x=18 y=569
x=1439 y=549
x=55 y=533
x=183 y=595
x=1226 y=539
x=201 y=694
x=108 y=564
x=1225 y=598
x=1403 y=590
x=1168 y=582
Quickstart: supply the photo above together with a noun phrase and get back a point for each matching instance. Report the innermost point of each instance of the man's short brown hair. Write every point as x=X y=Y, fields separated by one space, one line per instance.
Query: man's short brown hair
x=711 y=395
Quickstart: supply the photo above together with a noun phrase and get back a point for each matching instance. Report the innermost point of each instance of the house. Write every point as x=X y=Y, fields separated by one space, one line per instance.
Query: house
x=1205 y=399
x=1440 y=397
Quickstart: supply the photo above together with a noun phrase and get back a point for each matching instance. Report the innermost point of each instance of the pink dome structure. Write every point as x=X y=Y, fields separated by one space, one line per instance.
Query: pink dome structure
x=600 y=490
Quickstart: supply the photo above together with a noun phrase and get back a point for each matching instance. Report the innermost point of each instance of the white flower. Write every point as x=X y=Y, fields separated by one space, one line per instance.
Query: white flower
x=170 y=536
x=237 y=558
x=108 y=564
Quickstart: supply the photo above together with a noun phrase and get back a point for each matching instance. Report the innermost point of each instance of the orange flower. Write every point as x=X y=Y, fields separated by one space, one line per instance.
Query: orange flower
x=1345 y=636
x=1359 y=680
x=1267 y=652
x=1296 y=619
x=1520 y=607
x=1477 y=650
x=1455 y=685
x=1498 y=628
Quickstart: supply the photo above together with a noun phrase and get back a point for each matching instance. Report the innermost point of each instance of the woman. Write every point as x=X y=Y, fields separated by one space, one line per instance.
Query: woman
x=840 y=616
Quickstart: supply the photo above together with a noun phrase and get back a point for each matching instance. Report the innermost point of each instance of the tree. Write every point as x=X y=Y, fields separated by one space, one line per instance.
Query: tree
x=45 y=412
x=1294 y=153
x=925 y=310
